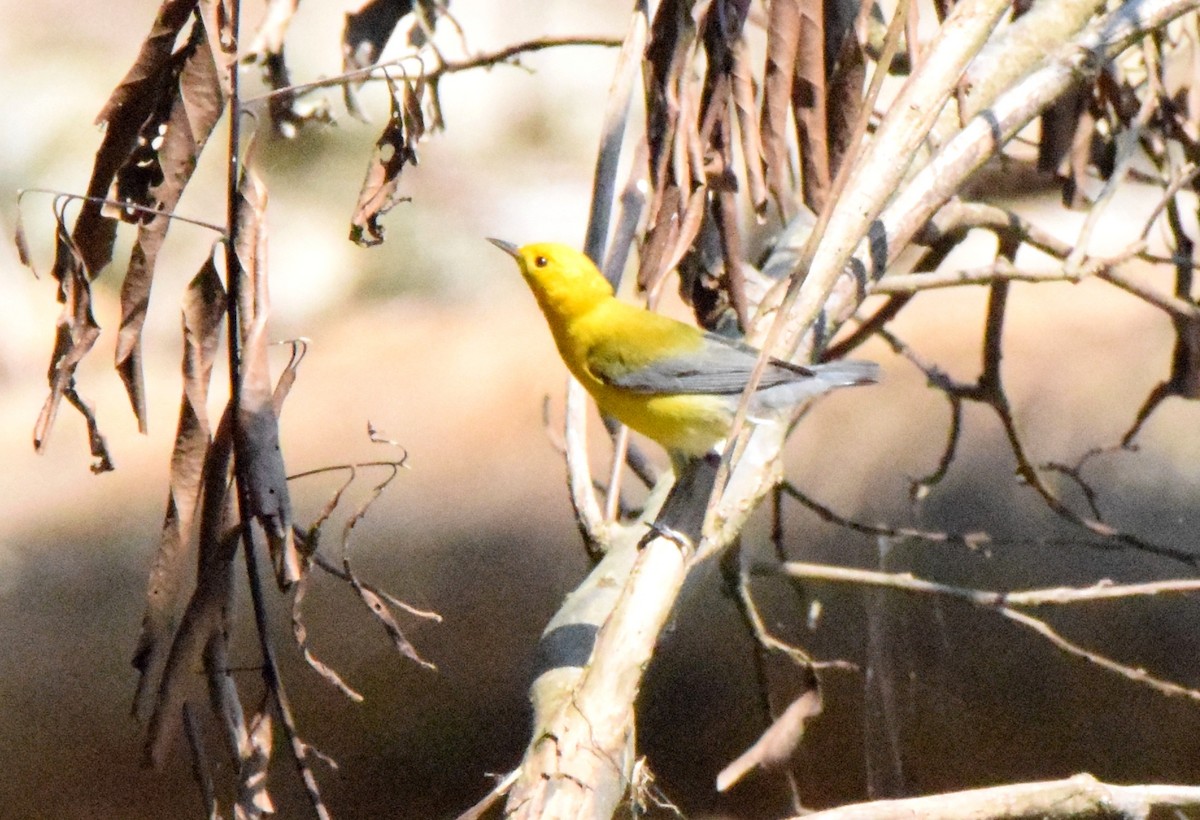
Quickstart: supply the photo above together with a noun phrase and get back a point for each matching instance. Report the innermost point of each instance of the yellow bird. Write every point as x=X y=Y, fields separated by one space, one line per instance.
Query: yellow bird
x=669 y=381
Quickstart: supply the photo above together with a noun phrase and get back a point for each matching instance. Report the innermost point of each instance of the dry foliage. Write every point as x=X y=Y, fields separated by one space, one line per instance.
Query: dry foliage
x=764 y=114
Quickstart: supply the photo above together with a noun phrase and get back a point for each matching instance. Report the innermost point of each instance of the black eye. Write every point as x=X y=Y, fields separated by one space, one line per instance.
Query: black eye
x=539 y=261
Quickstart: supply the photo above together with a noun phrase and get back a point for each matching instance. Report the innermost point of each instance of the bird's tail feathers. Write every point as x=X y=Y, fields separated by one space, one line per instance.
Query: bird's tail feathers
x=825 y=377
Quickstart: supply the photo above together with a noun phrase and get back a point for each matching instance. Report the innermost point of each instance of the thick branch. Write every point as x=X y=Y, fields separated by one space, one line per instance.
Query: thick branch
x=1080 y=796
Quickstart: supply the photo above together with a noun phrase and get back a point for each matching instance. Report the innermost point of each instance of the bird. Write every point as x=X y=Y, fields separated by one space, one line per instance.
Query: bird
x=674 y=383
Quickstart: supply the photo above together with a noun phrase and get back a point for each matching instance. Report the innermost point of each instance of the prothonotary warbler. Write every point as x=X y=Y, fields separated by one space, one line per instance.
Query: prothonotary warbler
x=668 y=380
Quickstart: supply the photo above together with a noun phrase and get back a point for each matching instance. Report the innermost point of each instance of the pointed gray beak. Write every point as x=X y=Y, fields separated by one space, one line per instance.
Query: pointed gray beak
x=507 y=247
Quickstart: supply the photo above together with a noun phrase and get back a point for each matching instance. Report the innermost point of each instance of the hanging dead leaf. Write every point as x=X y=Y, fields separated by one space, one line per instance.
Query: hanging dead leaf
x=203 y=309
x=845 y=88
x=395 y=149
x=254 y=755
x=261 y=472
x=76 y=332
x=196 y=102
x=129 y=107
x=217 y=17
x=300 y=633
x=744 y=107
x=20 y=240
x=776 y=745
x=809 y=97
x=204 y=622
x=783 y=39
x=367 y=32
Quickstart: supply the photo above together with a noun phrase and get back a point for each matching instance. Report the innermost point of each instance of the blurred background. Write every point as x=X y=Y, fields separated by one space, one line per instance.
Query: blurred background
x=434 y=340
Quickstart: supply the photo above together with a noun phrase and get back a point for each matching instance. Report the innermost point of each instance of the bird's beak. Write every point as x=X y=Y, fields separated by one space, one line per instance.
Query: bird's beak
x=507 y=247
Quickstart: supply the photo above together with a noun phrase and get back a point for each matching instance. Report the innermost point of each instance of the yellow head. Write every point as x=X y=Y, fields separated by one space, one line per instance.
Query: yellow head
x=565 y=281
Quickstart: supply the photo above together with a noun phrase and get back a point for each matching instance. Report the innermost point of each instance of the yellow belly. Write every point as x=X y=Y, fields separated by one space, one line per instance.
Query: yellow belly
x=687 y=424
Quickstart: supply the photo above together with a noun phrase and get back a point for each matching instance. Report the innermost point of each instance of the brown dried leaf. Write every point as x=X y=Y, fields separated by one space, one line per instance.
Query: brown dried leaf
x=783 y=39
x=777 y=743
x=254 y=754
x=20 y=239
x=661 y=238
x=384 y=615
x=395 y=148
x=195 y=106
x=203 y=309
x=809 y=104
x=205 y=620
x=261 y=471
x=363 y=39
x=75 y=333
x=130 y=105
x=300 y=633
x=752 y=150
x=217 y=16
x=375 y=602
x=288 y=377
x=845 y=92
x=272 y=31
x=267 y=48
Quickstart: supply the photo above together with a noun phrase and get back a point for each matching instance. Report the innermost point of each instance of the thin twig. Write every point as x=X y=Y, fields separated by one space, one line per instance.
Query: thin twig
x=501 y=57
x=1004 y=603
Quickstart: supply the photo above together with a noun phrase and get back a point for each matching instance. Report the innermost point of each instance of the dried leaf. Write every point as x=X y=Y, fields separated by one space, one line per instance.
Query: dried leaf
x=272 y=31
x=20 y=239
x=129 y=107
x=75 y=333
x=375 y=603
x=783 y=39
x=288 y=377
x=300 y=633
x=205 y=618
x=384 y=615
x=808 y=103
x=217 y=16
x=395 y=148
x=777 y=743
x=363 y=39
x=261 y=471
x=201 y=632
x=845 y=90
x=167 y=153
x=661 y=238
x=254 y=754
x=752 y=151
x=203 y=309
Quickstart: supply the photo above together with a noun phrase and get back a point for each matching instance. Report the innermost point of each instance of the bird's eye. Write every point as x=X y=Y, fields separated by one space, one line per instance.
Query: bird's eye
x=539 y=261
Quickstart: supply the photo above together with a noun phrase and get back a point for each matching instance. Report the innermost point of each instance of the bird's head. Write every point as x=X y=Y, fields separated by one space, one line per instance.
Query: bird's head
x=563 y=279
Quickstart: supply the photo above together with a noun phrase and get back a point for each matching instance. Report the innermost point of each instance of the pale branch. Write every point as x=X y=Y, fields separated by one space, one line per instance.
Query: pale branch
x=1000 y=270
x=1019 y=47
x=503 y=784
x=588 y=512
x=1135 y=674
x=935 y=183
x=1081 y=796
x=880 y=170
x=1006 y=603
x=1028 y=598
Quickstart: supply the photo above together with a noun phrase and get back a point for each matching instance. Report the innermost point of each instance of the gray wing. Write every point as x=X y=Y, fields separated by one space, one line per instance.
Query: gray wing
x=719 y=367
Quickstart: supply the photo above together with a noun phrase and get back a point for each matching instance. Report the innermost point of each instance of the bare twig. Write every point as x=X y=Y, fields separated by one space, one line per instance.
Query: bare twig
x=504 y=56
x=1005 y=604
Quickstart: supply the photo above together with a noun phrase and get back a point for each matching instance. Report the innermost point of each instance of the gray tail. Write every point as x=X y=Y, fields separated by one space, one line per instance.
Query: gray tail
x=825 y=377
x=847 y=373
